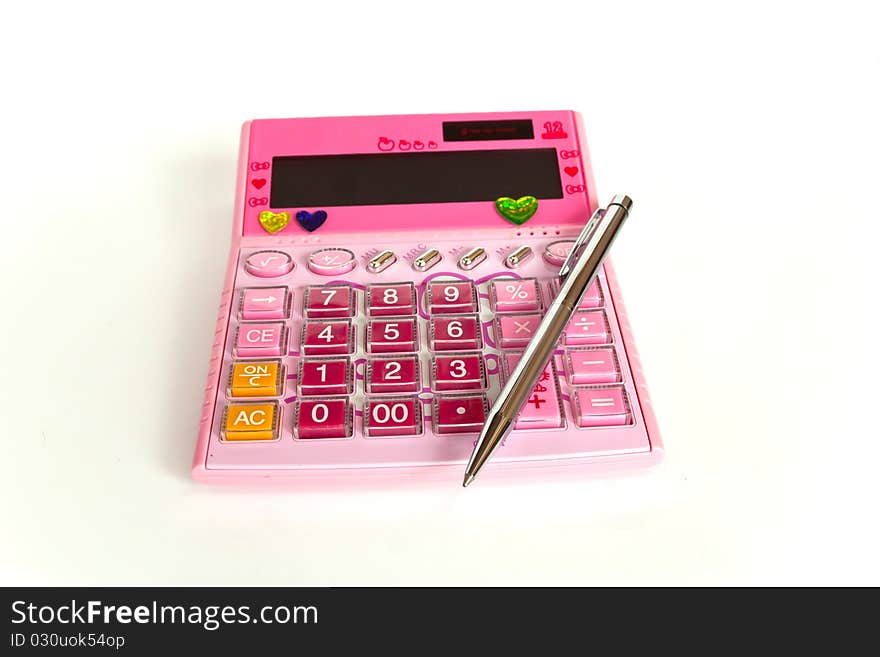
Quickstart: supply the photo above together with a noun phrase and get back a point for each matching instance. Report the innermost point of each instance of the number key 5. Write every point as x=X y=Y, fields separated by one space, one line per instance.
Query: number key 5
x=390 y=336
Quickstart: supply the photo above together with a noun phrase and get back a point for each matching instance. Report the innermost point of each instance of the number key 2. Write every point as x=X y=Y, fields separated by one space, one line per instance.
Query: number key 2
x=387 y=375
x=458 y=333
x=326 y=376
x=446 y=297
x=391 y=299
x=329 y=301
x=392 y=336
x=401 y=416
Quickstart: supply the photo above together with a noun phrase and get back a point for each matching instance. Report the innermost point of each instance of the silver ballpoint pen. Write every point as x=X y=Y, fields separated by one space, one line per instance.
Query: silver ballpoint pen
x=577 y=273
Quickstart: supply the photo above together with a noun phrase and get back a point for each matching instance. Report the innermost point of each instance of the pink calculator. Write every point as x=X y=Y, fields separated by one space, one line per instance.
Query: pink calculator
x=384 y=277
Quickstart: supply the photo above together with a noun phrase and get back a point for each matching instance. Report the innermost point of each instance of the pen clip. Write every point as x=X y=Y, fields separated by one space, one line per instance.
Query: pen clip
x=582 y=239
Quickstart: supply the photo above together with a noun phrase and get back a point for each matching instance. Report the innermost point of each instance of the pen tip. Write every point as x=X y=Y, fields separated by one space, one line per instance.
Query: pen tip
x=468 y=478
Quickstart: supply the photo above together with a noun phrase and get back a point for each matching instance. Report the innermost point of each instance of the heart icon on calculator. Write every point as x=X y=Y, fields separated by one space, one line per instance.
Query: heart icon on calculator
x=272 y=222
x=518 y=210
x=311 y=221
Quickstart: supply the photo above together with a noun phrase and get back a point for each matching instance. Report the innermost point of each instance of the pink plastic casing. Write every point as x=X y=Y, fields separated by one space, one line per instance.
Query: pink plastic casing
x=409 y=230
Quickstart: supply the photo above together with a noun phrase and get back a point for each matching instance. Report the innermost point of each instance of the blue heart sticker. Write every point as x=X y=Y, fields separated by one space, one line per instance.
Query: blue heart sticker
x=311 y=221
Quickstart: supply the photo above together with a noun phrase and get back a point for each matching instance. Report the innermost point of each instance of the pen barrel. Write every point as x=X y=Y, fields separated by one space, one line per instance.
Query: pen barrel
x=585 y=270
x=524 y=376
x=580 y=271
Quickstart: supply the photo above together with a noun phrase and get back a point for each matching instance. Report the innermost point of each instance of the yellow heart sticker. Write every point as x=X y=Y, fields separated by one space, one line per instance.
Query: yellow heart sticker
x=272 y=222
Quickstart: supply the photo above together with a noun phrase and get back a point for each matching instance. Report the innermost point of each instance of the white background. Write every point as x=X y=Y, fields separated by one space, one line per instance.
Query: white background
x=748 y=136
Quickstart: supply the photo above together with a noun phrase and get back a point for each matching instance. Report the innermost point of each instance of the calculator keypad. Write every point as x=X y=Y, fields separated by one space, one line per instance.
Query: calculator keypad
x=394 y=362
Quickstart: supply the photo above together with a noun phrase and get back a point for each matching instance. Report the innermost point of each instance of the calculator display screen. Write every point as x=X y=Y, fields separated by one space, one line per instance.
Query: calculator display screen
x=423 y=177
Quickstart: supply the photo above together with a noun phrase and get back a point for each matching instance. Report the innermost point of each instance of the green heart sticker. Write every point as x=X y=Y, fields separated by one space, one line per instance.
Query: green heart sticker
x=518 y=211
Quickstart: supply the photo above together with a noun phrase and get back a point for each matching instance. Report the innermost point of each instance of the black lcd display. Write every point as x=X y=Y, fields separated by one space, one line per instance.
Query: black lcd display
x=488 y=130
x=404 y=178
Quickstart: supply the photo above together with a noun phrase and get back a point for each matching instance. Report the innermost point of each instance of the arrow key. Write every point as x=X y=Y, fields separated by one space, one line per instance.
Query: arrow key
x=265 y=303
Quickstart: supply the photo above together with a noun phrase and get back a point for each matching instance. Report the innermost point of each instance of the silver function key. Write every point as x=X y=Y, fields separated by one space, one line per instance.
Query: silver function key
x=427 y=260
x=472 y=258
x=382 y=261
x=518 y=257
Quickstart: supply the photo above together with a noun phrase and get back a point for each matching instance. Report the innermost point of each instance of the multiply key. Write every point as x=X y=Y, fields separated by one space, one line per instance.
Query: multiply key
x=516 y=331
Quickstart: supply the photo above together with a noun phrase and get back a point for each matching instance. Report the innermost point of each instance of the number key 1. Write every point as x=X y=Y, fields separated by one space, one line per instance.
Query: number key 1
x=325 y=376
